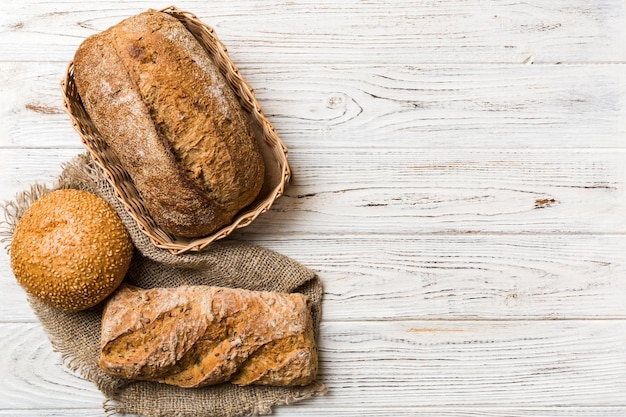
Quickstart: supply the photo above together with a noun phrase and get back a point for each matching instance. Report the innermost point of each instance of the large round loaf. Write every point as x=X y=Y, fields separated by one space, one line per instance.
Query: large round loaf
x=171 y=118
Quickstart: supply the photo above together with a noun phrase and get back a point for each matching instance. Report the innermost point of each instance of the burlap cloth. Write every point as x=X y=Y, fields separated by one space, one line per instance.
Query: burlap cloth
x=224 y=263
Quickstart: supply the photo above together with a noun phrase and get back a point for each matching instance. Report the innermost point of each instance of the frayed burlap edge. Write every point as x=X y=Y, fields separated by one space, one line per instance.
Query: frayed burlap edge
x=82 y=173
x=15 y=209
x=113 y=408
x=77 y=173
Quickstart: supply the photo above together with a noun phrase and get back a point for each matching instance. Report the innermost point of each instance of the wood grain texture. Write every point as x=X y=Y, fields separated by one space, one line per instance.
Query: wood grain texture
x=420 y=106
x=477 y=363
x=437 y=106
x=511 y=411
x=349 y=31
x=20 y=168
x=426 y=363
x=405 y=192
x=464 y=276
x=80 y=412
x=33 y=375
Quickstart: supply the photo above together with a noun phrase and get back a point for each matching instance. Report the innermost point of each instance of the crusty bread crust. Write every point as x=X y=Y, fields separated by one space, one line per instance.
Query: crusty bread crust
x=192 y=336
x=168 y=114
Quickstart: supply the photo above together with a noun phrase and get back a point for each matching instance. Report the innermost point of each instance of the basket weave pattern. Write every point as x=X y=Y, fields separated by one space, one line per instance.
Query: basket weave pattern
x=274 y=151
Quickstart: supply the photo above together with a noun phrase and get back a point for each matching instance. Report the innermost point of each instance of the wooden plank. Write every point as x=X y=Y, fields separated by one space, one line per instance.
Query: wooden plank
x=33 y=375
x=465 y=276
x=400 y=364
x=406 y=192
x=442 y=277
x=305 y=409
x=13 y=298
x=349 y=31
x=80 y=412
x=436 y=106
x=31 y=107
x=20 y=168
x=474 y=363
x=373 y=106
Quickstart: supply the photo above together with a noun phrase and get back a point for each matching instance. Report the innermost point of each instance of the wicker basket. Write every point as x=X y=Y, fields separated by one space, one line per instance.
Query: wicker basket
x=274 y=151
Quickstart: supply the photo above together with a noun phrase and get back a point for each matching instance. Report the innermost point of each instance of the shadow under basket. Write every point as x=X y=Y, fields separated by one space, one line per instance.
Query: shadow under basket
x=277 y=171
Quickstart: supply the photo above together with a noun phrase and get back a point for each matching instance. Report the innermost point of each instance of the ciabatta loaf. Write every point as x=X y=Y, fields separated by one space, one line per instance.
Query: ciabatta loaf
x=192 y=336
x=171 y=118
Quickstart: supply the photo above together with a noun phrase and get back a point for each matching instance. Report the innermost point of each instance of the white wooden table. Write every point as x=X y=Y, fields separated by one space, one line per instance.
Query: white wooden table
x=459 y=186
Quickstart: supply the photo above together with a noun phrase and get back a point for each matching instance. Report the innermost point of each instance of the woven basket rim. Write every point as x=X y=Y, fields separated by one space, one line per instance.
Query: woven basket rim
x=121 y=182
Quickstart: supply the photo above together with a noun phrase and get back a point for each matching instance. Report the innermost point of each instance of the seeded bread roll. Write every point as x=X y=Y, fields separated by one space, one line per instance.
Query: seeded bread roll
x=165 y=110
x=193 y=336
x=70 y=250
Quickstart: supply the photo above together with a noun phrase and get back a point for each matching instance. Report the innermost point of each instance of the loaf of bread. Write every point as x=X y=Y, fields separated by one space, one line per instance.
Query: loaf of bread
x=192 y=336
x=169 y=115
